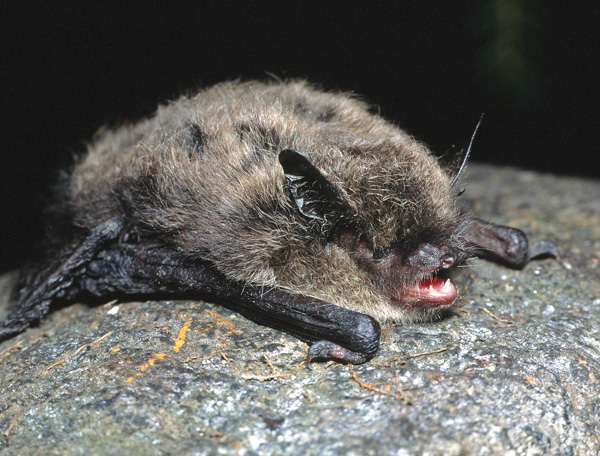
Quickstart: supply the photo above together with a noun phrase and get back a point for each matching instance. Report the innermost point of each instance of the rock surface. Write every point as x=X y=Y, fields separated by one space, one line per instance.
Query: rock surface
x=515 y=369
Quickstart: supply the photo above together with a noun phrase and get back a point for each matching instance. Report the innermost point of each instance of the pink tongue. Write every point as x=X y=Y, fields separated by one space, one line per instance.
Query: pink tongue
x=435 y=291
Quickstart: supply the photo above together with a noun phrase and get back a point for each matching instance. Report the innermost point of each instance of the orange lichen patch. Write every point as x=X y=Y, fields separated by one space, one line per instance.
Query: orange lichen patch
x=147 y=364
x=532 y=380
x=152 y=360
x=180 y=339
x=231 y=325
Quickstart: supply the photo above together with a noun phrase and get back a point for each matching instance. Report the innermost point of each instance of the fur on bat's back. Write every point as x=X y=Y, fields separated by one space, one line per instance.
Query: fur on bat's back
x=203 y=176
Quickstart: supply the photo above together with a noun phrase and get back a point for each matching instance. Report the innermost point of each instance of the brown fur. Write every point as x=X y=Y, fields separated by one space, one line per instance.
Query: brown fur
x=203 y=174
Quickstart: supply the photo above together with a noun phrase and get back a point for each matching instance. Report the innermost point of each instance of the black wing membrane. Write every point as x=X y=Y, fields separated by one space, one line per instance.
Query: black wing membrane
x=104 y=266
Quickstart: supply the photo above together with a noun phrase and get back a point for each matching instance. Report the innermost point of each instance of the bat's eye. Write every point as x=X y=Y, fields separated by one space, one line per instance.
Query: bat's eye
x=379 y=254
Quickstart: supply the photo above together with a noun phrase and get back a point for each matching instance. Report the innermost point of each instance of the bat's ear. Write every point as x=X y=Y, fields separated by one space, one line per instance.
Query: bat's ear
x=316 y=196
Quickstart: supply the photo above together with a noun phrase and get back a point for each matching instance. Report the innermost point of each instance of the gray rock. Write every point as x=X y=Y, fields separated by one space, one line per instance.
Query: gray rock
x=514 y=370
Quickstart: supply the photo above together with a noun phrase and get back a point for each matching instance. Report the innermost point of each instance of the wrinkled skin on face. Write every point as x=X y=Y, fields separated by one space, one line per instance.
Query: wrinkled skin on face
x=410 y=277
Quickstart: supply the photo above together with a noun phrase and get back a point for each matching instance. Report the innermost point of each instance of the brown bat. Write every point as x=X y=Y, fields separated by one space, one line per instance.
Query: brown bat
x=296 y=207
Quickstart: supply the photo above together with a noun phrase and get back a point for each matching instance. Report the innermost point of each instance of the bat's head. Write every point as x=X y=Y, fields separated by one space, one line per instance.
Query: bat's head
x=396 y=217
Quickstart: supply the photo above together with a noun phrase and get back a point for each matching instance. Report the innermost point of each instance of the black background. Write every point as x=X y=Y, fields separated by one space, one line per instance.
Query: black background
x=432 y=67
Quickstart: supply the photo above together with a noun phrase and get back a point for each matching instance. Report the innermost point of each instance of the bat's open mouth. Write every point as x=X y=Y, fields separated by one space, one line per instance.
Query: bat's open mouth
x=431 y=292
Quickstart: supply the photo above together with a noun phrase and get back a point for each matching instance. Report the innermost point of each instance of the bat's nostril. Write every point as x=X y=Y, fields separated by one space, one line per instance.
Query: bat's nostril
x=448 y=261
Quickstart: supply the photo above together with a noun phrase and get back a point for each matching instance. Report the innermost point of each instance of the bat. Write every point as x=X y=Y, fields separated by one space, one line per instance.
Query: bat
x=298 y=208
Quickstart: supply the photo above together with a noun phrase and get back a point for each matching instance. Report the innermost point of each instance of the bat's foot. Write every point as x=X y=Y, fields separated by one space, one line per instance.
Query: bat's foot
x=506 y=244
x=326 y=350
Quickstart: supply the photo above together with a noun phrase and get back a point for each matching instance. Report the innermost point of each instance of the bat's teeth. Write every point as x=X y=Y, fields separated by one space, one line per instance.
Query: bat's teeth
x=432 y=291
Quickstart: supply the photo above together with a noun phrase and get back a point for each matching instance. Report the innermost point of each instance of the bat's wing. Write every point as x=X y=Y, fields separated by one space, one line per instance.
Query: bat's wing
x=55 y=281
x=108 y=264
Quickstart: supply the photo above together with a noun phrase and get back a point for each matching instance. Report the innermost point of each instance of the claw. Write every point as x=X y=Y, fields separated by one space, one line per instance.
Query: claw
x=327 y=350
x=543 y=249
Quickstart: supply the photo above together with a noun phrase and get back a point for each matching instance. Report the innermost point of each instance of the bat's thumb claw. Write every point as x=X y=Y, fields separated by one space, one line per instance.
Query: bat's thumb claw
x=543 y=249
x=326 y=350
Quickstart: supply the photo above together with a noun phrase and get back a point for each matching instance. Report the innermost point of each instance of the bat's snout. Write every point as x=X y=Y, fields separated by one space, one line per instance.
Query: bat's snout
x=430 y=257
